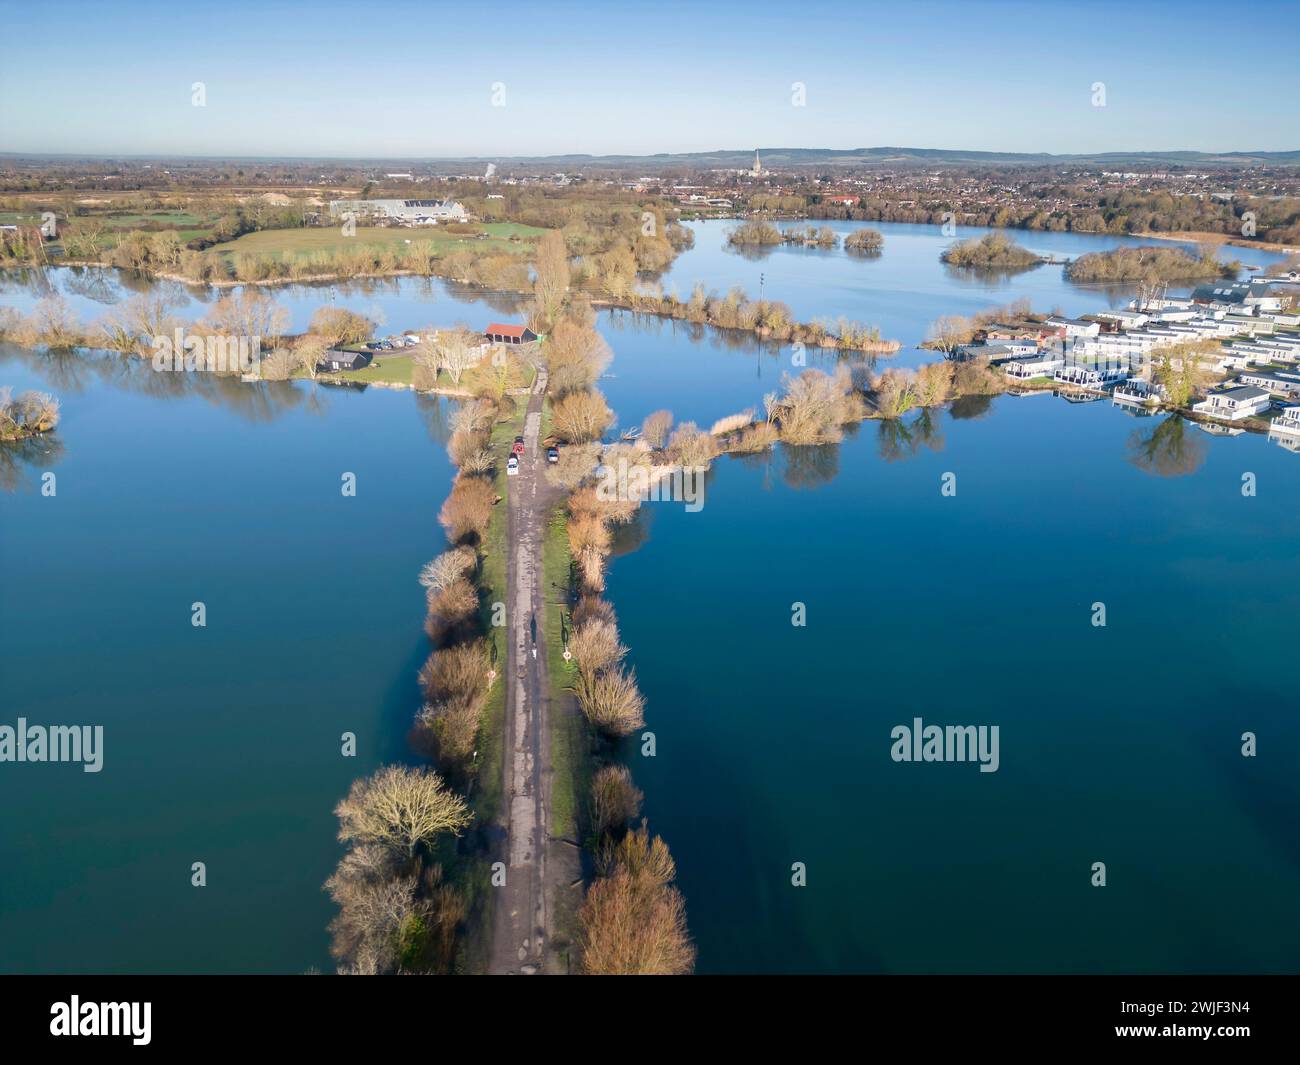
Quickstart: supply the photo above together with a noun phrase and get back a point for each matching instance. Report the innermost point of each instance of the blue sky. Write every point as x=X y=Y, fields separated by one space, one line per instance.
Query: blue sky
x=399 y=79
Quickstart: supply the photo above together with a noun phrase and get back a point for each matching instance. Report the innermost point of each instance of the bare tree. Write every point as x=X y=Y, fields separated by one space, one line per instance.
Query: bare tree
x=400 y=808
x=249 y=314
x=458 y=350
x=580 y=417
x=551 y=281
x=655 y=428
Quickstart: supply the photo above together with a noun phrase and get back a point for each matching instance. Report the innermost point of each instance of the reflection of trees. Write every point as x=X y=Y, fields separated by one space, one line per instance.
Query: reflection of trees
x=28 y=279
x=969 y=407
x=898 y=439
x=809 y=465
x=630 y=536
x=986 y=275
x=436 y=412
x=501 y=301
x=1167 y=450
x=16 y=456
x=91 y=284
x=260 y=401
x=754 y=253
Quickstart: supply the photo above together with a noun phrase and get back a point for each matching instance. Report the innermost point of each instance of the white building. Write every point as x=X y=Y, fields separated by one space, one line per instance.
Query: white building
x=1072 y=327
x=1287 y=422
x=1282 y=384
x=404 y=212
x=1235 y=404
x=1043 y=365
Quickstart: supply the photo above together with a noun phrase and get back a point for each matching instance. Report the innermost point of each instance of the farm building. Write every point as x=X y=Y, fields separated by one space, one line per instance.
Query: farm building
x=497 y=333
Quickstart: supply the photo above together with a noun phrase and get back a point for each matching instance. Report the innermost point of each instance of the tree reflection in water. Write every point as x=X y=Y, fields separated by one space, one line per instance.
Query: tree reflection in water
x=1169 y=449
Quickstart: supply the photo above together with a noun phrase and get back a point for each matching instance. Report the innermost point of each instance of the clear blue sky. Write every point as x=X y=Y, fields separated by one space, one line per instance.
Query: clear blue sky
x=382 y=78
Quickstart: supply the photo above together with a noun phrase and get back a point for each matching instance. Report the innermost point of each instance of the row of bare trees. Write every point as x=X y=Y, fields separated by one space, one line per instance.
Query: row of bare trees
x=632 y=920
x=398 y=911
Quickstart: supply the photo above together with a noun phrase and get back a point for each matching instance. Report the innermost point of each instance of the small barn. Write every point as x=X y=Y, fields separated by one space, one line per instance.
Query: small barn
x=496 y=333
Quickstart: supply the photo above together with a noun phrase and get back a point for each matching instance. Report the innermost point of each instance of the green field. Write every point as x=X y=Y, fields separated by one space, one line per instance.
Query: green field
x=331 y=239
x=570 y=746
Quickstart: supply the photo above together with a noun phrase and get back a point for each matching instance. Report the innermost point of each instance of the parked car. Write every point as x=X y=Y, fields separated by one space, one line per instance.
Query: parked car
x=518 y=449
x=512 y=466
x=552 y=454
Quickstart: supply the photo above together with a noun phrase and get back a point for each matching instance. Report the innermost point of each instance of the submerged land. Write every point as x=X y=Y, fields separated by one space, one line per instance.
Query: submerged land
x=522 y=846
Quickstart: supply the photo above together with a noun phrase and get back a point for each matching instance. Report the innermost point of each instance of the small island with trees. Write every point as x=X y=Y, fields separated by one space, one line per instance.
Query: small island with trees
x=864 y=242
x=994 y=251
x=26 y=415
x=1150 y=265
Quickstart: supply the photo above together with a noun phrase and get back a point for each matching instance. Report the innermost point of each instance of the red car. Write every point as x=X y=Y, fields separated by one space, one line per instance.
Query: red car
x=518 y=449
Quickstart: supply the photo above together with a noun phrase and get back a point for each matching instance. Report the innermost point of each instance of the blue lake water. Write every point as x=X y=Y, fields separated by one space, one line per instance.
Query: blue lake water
x=1118 y=744
x=222 y=744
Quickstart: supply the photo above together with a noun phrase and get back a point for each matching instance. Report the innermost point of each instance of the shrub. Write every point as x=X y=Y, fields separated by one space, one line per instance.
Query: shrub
x=633 y=921
x=732 y=422
x=613 y=703
x=466 y=512
x=691 y=446
x=615 y=800
x=458 y=670
x=596 y=647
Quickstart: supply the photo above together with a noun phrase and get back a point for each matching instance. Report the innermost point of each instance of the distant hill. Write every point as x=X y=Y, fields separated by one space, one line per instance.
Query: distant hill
x=772 y=158
x=781 y=158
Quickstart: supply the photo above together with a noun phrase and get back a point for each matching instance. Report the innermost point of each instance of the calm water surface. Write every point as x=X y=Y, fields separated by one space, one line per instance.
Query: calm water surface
x=1118 y=744
x=222 y=744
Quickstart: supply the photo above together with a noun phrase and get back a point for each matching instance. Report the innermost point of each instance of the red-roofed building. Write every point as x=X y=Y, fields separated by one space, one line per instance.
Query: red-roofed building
x=496 y=333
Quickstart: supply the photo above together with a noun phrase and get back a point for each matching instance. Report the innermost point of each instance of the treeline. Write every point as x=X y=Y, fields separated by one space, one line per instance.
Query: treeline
x=765 y=318
x=1120 y=213
x=632 y=920
x=403 y=893
x=1150 y=265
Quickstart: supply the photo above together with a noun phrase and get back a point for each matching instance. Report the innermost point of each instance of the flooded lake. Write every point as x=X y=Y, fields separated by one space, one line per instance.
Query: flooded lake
x=1119 y=744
